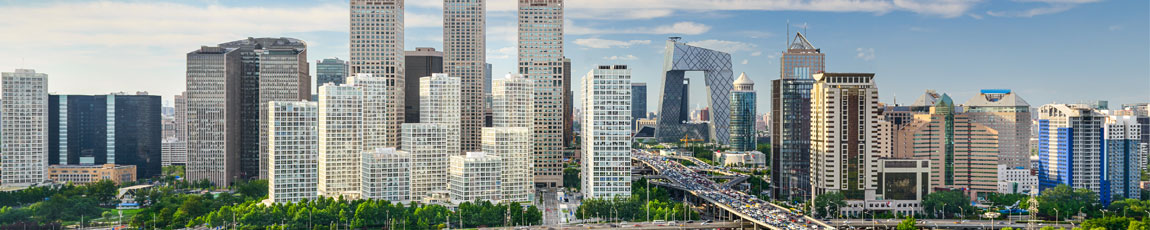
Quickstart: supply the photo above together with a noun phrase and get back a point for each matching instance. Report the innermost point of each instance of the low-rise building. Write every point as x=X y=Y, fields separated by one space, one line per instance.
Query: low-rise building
x=386 y=175
x=84 y=174
x=474 y=177
x=902 y=185
x=744 y=159
x=1016 y=180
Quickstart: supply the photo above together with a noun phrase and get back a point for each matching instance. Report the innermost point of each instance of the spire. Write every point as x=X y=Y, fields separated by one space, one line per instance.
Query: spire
x=744 y=83
x=800 y=43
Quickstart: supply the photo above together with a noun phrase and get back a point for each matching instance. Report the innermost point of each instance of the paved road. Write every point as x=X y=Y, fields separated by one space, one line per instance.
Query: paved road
x=550 y=207
x=941 y=223
x=634 y=226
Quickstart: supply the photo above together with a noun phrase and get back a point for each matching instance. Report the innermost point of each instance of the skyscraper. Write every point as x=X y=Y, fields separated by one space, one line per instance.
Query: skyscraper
x=1006 y=112
x=387 y=175
x=672 y=124
x=606 y=123
x=427 y=144
x=513 y=99
x=962 y=152
x=1121 y=169
x=791 y=115
x=422 y=62
x=1070 y=146
x=181 y=108
x=375 y=120
x=541 y=60
x=377 y=49
x=742 y=114
x=638 y=101
x=510 y=136
x=464 y=57
x=843 y=138
x=293 y=151
x=340 y=121
x=106 y=129
x=330 y=70
x=25 y=130
x=213 y=78
x=568 y=106
x=440 y=104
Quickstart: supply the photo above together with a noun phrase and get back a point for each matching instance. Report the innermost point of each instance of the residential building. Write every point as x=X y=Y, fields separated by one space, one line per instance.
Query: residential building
x=374 y=106
x=475 y=177
x=513 y=100
x=963 y=154
x=843 y=138
x=213 y=99
x=1121 y=170
x=173 y=151
x=513 y=146
x=464 y=57
x=106 y=129
x=387 y=175
x=422 y=62
x=742 y=115
x=439 y=97
x=377 y=32
x=1070 y=146
x=330 y=70
x=340 y=121
x=791 y=119
x=541 y=60
x=427 y=144
x=181 y=116
x=606 y=163
x=85 y=174
x=25 y=130
x=1016 y=180
x=293 y=150
x=1005 y=111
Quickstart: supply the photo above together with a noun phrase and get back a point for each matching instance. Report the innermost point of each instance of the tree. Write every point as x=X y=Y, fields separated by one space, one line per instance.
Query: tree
x=1138 y=225
x=829 y=203
x=1068 y=202
x=907 y=224
x=1007 y=228
x=571 y=178
x=1111 y=222
x=947 y=202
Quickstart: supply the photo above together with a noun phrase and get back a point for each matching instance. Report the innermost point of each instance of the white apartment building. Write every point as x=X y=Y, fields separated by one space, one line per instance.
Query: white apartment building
x=513 y=99
x=427 y=144
x=293 y=149
x=24 y=127
x=844 y=139
x=465 y=57
x=606 y=132
x=340 y=140
x=1122 y=170
x=1016 y=180
x=439 y=103
x=475 y=177
x=541 y=60
x=377 y=29
x=386 y=175
x=173 y=151
x=1070 y=140
x=513 y=146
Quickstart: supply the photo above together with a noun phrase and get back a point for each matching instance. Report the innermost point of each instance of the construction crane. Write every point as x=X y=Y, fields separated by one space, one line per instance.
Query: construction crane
x=687 y=140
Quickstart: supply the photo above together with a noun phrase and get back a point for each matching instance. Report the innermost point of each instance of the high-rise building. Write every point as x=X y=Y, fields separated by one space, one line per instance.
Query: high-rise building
x=427 y=144
x=181 y=116
x=106 y=129
x=843 y=138
x=513 y=146
x=673 y=123
x=963 y=153
x=213 y=82
x=273 y=69
x=330 y=70
x=541 y=60
x=1070 y=146
x=439 y=97
x=638 y=101
x=173 y=152
x=1016 y=181
x=464 y=57
x=513 y=101
x=791 y=119
x=1121 y=169
x=487 y=113
x=568 y=106
x=1005 y=111
x=387 y=175
x=25 y=128
x=377 y=49
x=293 y=151
x=475 y=177
x=606 y=129
x=742 y=114
x=375 y=120
x=422 y=62
x=340 y=122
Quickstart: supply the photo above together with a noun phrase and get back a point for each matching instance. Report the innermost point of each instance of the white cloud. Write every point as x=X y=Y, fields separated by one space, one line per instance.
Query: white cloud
x=1114 y=27
x=756 y=53
x=865 y=54
x=724 y=46
x=502 y=53
x=756 y=34
x=622 y=58
x=618 y=14
x=942 y=8
x=687 y=28
x=598 y=43
x=744 y=61
x=1031 y=12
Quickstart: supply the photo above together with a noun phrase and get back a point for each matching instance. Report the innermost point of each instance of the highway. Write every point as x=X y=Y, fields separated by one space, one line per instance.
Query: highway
x=939 y=223
x=748 y=207
x=635 y=226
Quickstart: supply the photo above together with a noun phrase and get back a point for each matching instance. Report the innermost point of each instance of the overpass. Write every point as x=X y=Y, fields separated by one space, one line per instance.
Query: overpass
x=727 y=202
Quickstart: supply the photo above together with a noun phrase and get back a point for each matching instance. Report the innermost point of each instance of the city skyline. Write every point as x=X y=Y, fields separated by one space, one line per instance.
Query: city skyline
x=1007 y=52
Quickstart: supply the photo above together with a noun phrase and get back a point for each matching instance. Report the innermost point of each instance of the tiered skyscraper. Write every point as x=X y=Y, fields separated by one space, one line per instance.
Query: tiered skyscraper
x=293 y=151
x=844 y=115
x=510 y=137
x=606 y=129
x=791 y=114
x=464 y=57
x=25 y=127
x=541 y=60
x=1006 y=112
x=742 y=114
x=377 y=49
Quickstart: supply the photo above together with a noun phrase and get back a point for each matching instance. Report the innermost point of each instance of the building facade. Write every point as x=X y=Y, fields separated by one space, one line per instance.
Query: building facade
x=743 y=115
x=377 y=30
x=173 y=151
x=106 y=129
x=638 y=102
x=843 y=138
x=1005 y=111
x=963 y=153
x=440 y=100
x=1121 y=169
x=85 y=174
x=340 y=121
x=606 y=126
x=422 y=62
x=791 y=119
x=513 y=146
x=213 y=82
x=25 y=128
x=716 y=66
x=427 y=144
x=541 y=60
x=387 y=175
x=1016 y=181
x=475 y=177
x=464 y=57
x=330 y=70
x=375 y=121
x=1070 y=148
x=293 y=150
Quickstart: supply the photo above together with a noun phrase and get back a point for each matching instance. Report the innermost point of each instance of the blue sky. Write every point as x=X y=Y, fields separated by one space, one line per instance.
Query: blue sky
x=1048 y=51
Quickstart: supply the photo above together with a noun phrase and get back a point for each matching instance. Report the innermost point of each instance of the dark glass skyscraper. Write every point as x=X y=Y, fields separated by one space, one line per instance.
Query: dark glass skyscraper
x=790 y=111
x=330 y=70
x=102 y=129
x=638 y=102
x=422 y=62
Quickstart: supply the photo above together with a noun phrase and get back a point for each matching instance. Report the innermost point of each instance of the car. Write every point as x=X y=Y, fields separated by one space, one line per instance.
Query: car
x=637 y=225
x=690 y=222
